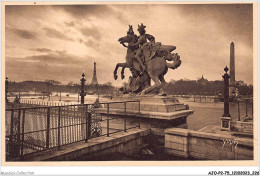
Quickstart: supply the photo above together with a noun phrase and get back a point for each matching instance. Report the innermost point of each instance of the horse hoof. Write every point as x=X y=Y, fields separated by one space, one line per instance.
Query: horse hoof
x=122 y=76
x=115 y=77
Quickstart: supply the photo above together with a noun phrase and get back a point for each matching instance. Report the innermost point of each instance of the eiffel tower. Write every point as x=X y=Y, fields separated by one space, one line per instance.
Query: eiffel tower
x=94 y=79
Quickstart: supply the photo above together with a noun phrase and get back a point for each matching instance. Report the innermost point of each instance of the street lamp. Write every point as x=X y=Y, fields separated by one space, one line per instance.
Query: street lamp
x=83 y=93
x=226 y=118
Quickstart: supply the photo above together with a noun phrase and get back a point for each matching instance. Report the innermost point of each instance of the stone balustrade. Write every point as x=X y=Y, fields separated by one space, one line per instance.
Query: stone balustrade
x=200 y=145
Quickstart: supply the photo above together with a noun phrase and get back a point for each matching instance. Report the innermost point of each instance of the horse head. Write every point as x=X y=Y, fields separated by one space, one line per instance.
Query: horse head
x=129 y=38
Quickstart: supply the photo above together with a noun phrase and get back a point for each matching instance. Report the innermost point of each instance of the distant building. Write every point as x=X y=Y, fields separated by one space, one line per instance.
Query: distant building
x=202 y=81
x=94 y=79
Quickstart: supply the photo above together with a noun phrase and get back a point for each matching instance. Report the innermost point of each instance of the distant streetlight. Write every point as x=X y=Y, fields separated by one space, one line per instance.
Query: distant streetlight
x=83 y=93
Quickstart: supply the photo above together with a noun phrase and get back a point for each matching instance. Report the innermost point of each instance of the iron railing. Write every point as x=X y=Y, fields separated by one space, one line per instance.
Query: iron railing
x=34 y=129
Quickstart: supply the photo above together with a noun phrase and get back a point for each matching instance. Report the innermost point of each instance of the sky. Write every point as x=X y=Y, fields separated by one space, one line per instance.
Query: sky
x=59 y=42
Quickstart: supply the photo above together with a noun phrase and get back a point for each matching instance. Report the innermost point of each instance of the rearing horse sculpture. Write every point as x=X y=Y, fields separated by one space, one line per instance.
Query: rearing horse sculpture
x=157 y=66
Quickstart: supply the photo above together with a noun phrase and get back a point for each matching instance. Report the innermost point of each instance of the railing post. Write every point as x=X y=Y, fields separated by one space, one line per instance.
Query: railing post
x=107 y=120
x=48 y=129
x=86 y=108
x=11 y=126
x=124 y=116
x=23 y=120
x=89 y=125
x=107 y=126
x=11 y=144
x=59 y=130
x=18 y=125
x=238 y=110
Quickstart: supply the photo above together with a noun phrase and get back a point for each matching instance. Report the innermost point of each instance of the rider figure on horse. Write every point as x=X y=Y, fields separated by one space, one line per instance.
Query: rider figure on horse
x=142 y=39
x=146 y=60
x=147 y=51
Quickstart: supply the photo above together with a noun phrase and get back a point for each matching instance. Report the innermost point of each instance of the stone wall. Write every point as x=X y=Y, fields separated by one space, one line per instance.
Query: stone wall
x=129 y=143
x=209 y=146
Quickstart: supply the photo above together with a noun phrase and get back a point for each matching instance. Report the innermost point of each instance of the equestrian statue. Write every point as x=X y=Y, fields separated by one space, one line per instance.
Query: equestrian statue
x=147 y=61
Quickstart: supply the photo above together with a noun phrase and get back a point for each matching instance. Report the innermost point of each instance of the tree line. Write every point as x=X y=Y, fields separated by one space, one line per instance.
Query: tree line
x=52 y=86
x=179 y=87
x=204 y=87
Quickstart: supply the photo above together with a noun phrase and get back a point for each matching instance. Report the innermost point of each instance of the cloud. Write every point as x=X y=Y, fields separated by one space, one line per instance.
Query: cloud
x=31 y=11
x=50 y=58
x=93 y=32
x=61 y=52
x=56 y=34
x=25 y=34
x=44 y=50
x=63 y=67
x=232 y=20
x=48 y=53
x=92 y=44
x=69 y=23
x=85 y=11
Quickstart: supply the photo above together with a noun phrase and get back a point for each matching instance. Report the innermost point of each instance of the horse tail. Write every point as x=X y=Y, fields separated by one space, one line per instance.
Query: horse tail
x=176 y=63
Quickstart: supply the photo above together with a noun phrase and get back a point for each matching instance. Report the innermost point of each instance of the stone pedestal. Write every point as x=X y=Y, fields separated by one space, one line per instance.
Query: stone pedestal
x=166 y=108
x=226 y=123
x=158 y=107
x=154 y=112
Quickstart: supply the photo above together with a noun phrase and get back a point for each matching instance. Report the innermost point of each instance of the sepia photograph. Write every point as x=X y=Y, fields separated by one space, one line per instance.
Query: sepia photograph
x=136 y=82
